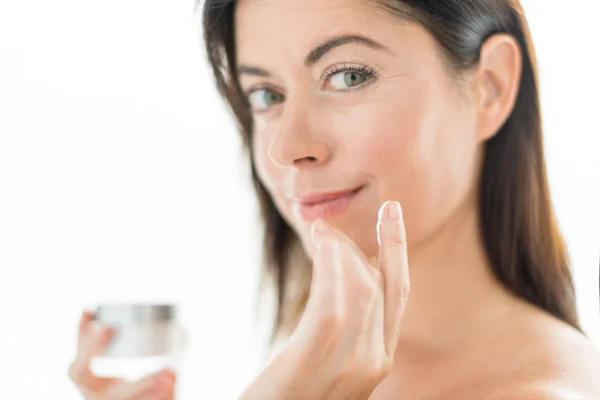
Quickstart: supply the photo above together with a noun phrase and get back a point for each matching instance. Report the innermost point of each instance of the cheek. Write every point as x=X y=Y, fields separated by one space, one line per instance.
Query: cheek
x=420 y=150
x=274 y=179
x=260 y=160
x=268 y=173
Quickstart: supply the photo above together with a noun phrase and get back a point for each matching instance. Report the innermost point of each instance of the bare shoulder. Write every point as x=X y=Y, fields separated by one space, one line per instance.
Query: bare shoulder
x=550 y=360
x=531 y=392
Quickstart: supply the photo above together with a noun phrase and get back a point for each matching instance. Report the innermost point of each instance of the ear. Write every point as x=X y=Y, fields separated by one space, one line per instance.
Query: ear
x=497 y=81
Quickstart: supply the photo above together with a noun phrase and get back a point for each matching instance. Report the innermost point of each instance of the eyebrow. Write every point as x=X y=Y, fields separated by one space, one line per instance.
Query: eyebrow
x=318 y=52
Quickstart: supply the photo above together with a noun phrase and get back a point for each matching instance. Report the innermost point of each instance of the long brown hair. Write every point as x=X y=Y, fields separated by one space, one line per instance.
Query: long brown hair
x=526 y=250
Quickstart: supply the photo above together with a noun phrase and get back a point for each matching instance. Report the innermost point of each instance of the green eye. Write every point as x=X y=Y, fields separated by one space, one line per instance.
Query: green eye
x=261 y=99
x=348 y=79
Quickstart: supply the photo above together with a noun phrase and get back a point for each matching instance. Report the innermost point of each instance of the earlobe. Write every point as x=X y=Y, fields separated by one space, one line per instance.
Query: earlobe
x=498 y=81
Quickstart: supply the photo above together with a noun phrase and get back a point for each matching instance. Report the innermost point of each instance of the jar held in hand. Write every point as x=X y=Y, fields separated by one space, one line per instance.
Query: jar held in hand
x=146 y=339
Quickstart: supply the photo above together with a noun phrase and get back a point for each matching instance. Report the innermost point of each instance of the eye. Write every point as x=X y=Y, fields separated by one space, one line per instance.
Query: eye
x=263 y=98
x=345 y=80
x=348 y=77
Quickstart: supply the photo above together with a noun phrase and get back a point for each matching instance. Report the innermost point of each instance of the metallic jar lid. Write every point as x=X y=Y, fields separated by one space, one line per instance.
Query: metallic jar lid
x=139 y=329
x=125 y=314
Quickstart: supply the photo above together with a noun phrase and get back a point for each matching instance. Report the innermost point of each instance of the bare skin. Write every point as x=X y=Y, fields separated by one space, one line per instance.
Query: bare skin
x=413 y=133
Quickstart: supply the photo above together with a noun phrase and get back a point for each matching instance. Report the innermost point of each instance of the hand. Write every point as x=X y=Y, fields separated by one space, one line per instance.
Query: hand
x=345 y=341
x=91 y=342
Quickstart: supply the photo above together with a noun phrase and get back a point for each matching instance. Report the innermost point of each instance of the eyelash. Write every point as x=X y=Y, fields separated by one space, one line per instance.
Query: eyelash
x=366 y=69
x=349 y=67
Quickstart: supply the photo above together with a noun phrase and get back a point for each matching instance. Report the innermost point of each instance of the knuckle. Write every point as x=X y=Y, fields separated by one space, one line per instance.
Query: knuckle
x=396 y=234
x=386 y=366
x=368 y=376
x=378 y=278
x=405 y=291
x=369 y=372
x=330 y=320
x=374 y=372
x=370 y=291
x=401 y=290
x=366 y=289
x=346 y=374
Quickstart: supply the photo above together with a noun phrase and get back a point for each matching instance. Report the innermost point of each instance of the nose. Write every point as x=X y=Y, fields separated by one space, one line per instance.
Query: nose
x=298 y=143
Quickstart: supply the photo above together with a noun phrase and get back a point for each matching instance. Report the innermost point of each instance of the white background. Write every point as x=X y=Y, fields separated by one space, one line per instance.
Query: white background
x=120 y=179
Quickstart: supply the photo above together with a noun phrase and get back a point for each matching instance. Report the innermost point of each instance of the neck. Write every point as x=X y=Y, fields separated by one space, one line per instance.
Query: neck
x=453 y=289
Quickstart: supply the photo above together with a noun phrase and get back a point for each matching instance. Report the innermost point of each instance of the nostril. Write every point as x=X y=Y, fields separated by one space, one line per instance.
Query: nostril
x=307 y=159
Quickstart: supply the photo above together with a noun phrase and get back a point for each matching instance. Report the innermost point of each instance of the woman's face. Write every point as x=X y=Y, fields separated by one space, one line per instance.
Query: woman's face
x=347 y=97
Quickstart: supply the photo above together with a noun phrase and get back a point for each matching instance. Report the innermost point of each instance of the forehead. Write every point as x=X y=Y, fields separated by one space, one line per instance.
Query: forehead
x=289 y=28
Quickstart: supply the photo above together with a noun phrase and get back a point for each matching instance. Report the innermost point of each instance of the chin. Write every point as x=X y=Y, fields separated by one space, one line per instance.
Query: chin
x=363 y=236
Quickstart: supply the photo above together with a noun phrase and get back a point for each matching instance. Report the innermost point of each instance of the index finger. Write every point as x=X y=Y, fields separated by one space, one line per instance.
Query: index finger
x=393 y=264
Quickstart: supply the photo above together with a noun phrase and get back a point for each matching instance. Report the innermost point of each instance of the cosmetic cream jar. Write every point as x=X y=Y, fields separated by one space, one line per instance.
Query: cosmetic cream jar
x=146 y=338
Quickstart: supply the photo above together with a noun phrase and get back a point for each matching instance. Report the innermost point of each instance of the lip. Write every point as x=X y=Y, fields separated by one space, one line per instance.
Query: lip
x=325 y=204
x=313 y=198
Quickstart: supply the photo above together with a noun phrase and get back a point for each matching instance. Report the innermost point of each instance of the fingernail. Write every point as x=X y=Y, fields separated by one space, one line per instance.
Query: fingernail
x=167 y=380
x=393 y=211
x=168 y=374
x=389 y=211
x=318 y=228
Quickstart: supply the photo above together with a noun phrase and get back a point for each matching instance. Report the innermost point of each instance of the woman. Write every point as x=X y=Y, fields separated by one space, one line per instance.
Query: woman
x=346 y=105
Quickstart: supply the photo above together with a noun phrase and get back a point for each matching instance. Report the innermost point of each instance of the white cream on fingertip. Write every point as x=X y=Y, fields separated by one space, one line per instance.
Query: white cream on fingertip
x=380 y=221
x=381 y=211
